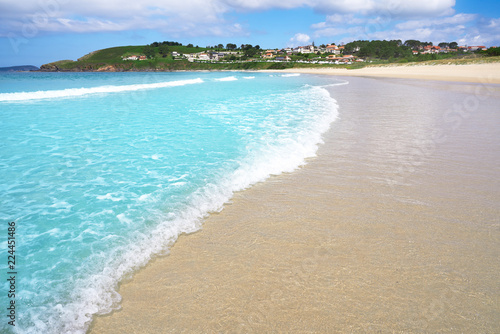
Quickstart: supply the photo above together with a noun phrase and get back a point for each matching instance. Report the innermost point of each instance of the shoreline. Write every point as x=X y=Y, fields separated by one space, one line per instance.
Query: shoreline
x=473 y=73
x=332 y=247
x=488 y=73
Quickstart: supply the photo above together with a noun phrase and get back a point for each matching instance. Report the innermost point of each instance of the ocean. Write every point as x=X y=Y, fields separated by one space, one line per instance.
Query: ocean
x=101 y=172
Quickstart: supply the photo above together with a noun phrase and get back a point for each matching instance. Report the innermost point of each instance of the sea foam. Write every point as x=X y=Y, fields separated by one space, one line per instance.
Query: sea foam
x=76 y=92
x=231 y=78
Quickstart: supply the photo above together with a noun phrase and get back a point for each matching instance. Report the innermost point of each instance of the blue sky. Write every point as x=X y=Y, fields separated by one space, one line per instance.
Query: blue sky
x=34 y=32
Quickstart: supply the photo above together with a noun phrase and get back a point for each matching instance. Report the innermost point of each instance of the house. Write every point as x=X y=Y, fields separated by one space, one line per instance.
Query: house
x=431 y=49
x=143 y=57
x=477 y=48
x=268 y=55
x=285 y=58
x=216 y=56
x=305 y=49
x=203 y=56
x=332 y=48
x=190 y=57
x=333 y=58
x=175 y=54
x=133 y=57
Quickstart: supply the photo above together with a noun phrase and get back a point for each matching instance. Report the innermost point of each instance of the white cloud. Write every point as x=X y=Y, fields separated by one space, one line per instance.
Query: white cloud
x=396 y=8
x=437 y=22
x=175 y=15
x=355 y=19
x=299 y=39
x=196 y=17
x=467 y=28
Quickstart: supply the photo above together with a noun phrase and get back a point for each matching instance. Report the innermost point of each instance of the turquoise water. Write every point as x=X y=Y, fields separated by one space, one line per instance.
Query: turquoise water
x=103 y=171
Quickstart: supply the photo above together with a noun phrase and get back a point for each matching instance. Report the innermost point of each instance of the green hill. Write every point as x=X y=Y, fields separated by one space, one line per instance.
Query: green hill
x=160 y=59
x=103 y=59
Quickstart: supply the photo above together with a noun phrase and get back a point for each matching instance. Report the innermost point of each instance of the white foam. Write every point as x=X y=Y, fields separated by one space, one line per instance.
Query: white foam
x=291 y=75
x=144 y=197
x=248 y=77
x=227 y=79
x=76 y=92
x=124 y=219
x=110 y=197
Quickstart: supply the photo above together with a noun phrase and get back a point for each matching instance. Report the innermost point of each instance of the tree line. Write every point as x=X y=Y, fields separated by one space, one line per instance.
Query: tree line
x=248 y=50
x=362 y=48
x=390 y=49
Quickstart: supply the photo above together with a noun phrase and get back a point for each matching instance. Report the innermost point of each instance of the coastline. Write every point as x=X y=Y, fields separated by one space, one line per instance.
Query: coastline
x=477 y=73
x=468 y=72
x=363 y=238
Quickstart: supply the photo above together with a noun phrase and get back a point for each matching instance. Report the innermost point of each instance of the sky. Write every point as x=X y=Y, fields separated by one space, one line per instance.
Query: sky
x=35 y=32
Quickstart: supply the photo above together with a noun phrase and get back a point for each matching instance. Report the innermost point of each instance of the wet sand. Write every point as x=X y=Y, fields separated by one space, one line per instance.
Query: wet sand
x=393 y=227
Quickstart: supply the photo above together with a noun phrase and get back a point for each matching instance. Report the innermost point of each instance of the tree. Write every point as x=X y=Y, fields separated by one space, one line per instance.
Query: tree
x=413 y=43
x=453 y=45
x=379 y=49
x=250 y=52
x=163 y=50
x=231 y=46
x=444 y=45
x=149 y=51
x=190 y=45
x=220 y=46
x=493 y=51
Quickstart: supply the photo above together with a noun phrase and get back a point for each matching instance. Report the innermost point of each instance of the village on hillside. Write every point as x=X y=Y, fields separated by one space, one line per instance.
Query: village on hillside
x=325 y=54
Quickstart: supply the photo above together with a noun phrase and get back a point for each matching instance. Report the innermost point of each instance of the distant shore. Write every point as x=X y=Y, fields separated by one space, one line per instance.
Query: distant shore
x=469 y=72
x=478 y=73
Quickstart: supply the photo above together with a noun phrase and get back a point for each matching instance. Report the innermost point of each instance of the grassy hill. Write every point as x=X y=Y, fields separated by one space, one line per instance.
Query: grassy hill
x=111 y=60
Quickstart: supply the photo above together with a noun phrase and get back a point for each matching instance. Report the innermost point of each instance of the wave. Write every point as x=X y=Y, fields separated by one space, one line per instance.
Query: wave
x=227 y=79
x=76 y=92
x=291 y=75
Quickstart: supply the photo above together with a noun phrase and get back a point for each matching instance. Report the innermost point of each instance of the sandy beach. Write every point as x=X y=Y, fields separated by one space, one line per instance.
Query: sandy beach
x=478 y=73
x=393 y=227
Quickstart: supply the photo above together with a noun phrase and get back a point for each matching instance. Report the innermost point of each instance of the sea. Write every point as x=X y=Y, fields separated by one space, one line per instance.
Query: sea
x=101 y=172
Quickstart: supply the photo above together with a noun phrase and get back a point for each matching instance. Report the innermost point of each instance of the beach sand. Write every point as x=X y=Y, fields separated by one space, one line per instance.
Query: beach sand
x=478 y=73
x=393 y=227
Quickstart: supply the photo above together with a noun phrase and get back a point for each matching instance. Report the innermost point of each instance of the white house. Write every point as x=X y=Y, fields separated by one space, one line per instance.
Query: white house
x=131 y=58
x=203 y=56
x=304 y=49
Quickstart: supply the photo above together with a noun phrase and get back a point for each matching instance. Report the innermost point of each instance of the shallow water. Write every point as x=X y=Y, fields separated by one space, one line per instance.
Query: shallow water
x=103 y=171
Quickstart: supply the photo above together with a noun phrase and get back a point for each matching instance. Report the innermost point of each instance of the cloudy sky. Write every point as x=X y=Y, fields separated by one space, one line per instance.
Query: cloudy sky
x=34 y=32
